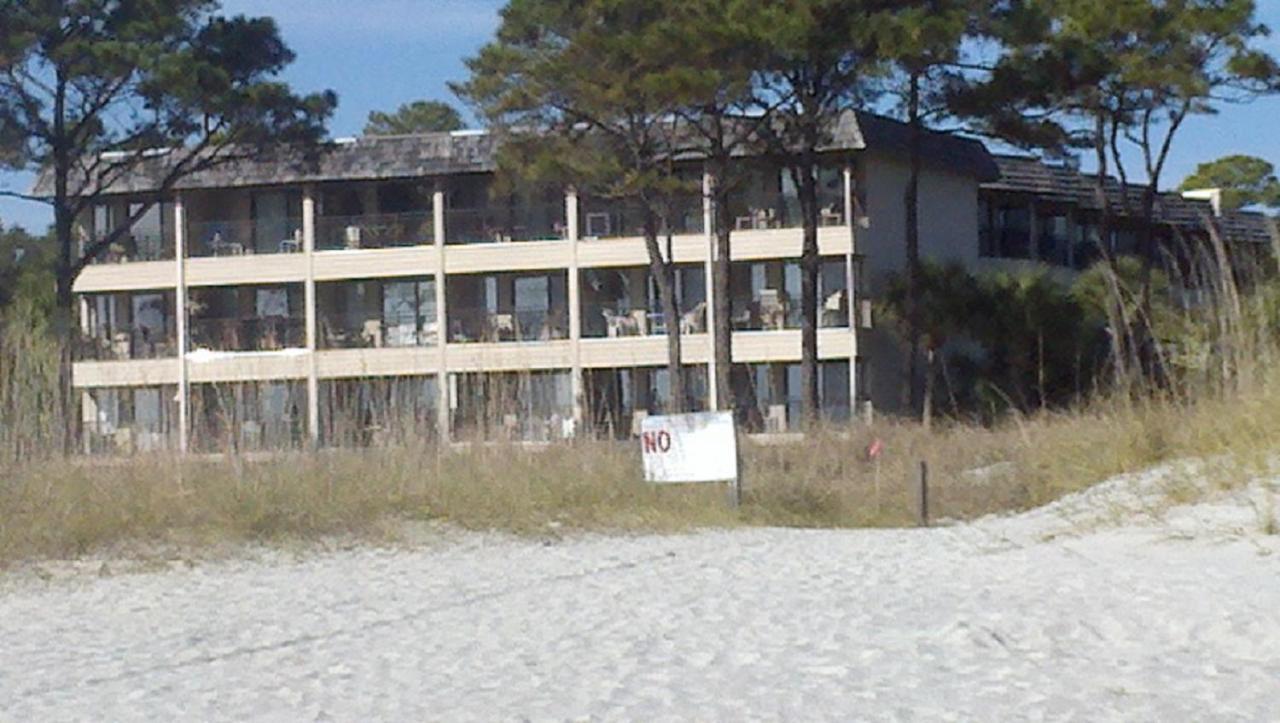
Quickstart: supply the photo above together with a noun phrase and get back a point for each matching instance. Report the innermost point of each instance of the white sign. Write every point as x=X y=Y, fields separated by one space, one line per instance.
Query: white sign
x=690 y=448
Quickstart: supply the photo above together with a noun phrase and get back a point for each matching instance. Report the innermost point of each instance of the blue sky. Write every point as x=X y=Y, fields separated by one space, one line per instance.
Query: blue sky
x=378 y=54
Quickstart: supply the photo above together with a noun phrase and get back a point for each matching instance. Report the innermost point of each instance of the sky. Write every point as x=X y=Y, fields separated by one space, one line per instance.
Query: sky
x=378 y=54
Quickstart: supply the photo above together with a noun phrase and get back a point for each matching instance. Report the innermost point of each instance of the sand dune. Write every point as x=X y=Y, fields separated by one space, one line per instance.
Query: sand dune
x=1059 y=614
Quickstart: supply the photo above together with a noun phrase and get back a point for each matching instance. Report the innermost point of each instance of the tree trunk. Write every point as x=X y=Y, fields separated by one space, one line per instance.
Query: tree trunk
x=720 y=284
x=912 y=243
x=810 y=262
x=663 y=272
x=64 y=271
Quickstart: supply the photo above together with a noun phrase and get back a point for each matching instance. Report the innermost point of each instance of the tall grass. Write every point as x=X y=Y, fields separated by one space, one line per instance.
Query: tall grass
x=74 y=507
x=30 y=425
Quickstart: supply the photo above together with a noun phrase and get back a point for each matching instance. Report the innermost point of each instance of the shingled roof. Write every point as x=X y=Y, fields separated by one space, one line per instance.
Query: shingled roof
x=436 y=154
x=1063 y=184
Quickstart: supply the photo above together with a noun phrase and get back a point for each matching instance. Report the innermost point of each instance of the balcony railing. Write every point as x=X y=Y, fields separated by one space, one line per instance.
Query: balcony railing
x=124 y=438
x=617 y=320
x=337 y=332
x=602 y=220
x=136 y=247
x=773 y=310
x=482 y=325
x=375 y=231
x=138 y=342
x=543 y=222
x=784 y=213
x=272 y=333
x=244 y=237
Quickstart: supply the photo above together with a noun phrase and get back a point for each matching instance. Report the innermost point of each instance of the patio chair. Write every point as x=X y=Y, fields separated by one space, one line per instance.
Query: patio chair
x=502 y=327
x=619 y=324
x=266 y=338
x=121 y=345
x=351 y=236
x=833 y=308
x=292 y=245
x=371 y=333
x=694 y=321
x=640 y=322
x=773 y=309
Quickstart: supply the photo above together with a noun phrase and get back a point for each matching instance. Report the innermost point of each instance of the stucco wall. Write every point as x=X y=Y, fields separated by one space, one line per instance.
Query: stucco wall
x=948 y=232
x=948 y=218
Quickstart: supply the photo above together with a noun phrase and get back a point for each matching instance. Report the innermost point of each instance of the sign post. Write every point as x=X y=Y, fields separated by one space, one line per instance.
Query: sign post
x=686 y=448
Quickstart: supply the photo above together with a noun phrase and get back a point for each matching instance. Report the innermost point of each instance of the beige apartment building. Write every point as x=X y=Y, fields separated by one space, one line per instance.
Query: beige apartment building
x=381 y=288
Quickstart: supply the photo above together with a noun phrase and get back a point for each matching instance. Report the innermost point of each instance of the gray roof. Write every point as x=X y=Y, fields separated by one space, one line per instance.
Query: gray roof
x=366 y=158
x=437 y=154
x=968 y=156
x=1063 y=184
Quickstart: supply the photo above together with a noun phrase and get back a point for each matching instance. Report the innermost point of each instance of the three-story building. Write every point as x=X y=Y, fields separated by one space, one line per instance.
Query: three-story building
x=381 y=287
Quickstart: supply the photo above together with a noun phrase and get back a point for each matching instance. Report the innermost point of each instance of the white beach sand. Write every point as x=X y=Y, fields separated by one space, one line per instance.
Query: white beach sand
x=1058 y=614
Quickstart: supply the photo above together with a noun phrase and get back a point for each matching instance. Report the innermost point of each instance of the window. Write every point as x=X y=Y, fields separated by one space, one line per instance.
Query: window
x=1054 y=244
x=1013 y=232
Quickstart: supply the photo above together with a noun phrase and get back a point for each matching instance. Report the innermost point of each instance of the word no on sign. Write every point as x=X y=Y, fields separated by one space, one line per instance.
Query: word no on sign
x=689 y=448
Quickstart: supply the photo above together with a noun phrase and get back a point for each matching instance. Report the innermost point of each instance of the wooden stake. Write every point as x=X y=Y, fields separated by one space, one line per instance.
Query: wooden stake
x=924 y=493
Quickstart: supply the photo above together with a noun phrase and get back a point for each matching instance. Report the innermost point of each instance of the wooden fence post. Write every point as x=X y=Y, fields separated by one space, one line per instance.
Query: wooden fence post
x=924 y=494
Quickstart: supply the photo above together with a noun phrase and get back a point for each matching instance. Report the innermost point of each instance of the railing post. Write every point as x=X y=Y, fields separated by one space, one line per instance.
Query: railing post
x=443 y=417
x=180 y=316
x=308 y=248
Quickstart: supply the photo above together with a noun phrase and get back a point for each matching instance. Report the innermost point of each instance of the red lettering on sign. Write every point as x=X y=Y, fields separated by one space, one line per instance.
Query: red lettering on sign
x=659 y=441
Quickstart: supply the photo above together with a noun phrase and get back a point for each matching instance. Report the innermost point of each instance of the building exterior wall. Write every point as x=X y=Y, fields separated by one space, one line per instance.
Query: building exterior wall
x=948 y=218
x=308 y=369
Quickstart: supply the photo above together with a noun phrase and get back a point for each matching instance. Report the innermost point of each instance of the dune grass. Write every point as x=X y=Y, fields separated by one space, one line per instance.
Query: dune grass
x=68 y=508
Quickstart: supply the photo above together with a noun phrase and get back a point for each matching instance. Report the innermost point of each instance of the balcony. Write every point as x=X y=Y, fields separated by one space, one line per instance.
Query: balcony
x=767 y=295
x=243 y=334
x=137 y=246
x=127 y=326
x=248 y=416
x=121 y=421
x=528 y=406
x=516 y=324
x=624 y=302
x=506 y=224
x=603 y=219
x=405 y=330
x=137 y=341
x=243 y=237
x=506 y=307
x=375 y=231
x=376 y=313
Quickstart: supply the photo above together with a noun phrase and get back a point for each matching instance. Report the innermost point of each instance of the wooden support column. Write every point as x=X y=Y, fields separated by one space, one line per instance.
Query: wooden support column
x=575 y=310
x=709 y=230
x=853 y=296
x=443 y=416
x=180 y=317
x=308 y=248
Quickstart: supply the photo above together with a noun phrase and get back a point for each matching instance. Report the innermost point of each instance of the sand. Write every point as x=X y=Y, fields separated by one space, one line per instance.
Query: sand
x=1103 y=606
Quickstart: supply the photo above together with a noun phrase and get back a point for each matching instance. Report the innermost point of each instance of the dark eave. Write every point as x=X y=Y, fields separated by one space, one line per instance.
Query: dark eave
x=1025 y=175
